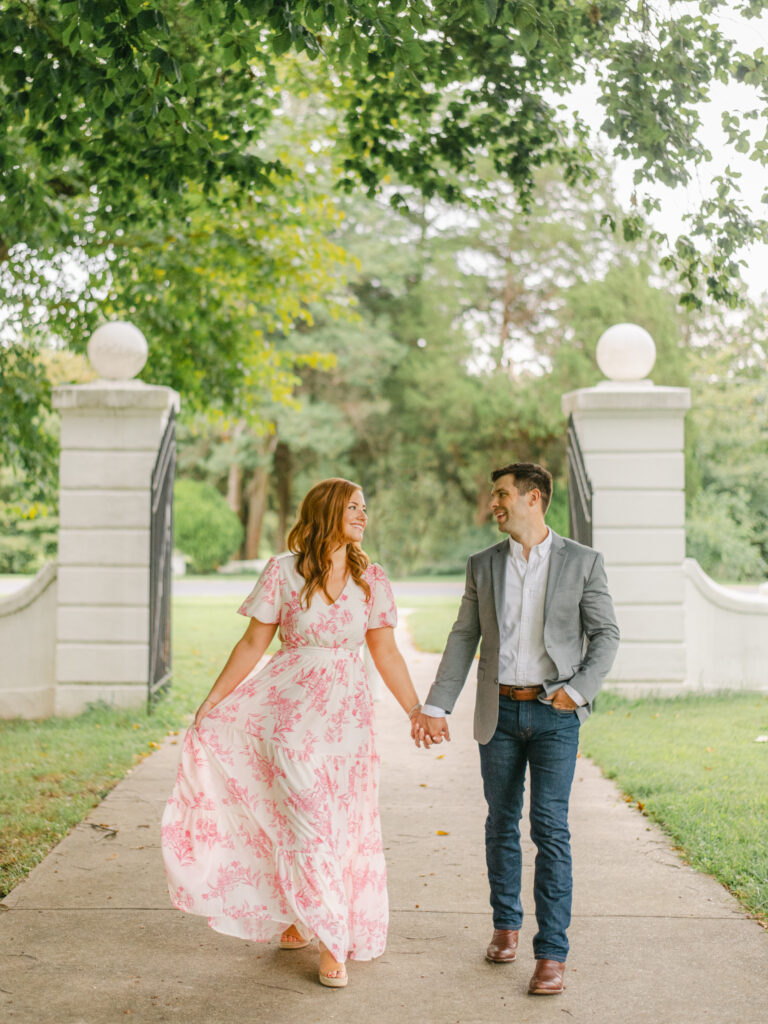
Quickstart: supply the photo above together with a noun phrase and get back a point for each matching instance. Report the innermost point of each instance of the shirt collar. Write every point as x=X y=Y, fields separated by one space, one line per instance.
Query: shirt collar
x=538 y=551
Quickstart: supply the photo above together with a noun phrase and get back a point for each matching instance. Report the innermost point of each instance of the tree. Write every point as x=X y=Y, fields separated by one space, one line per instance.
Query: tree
x=727 y=449
x=112 y=113
x=469 y=329
x=133 y=132
x=216 y=293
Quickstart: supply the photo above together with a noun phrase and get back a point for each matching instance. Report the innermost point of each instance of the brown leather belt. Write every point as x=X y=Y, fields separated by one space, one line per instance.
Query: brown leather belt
x=520 y=692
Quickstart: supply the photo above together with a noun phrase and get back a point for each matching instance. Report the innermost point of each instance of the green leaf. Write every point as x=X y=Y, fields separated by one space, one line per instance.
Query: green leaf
x=281 y=43
x=529 y=37
x=413 y=51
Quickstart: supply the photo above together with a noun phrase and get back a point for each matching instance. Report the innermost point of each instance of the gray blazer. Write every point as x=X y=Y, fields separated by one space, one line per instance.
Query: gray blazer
x=580 y=631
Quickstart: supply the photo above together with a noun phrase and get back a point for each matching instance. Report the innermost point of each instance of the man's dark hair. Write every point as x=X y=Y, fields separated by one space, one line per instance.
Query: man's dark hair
x=527 y=476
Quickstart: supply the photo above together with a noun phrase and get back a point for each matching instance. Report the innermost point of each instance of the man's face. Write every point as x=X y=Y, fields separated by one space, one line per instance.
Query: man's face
x=510 y=508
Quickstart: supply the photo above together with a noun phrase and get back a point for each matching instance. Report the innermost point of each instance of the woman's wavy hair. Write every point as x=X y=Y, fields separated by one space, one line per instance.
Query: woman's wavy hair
x=318 y=533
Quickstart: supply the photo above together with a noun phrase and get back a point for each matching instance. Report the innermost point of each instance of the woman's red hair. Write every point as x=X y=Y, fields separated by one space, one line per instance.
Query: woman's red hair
x=318 y=533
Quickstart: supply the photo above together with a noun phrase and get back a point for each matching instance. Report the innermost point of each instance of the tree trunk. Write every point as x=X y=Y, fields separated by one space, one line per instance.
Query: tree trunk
x=482 y=512
x=283 y=470
x=235 y=497
x=235 y=489
x=256 y=496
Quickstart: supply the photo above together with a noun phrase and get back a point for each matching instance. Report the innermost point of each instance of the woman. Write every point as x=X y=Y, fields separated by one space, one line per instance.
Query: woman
x=273 y=825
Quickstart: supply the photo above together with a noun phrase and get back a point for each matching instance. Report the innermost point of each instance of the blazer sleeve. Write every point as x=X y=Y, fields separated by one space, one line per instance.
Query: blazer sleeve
x=460 y=649
x=598 y=620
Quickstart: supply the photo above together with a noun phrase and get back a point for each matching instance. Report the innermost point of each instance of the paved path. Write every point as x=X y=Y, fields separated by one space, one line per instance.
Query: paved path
x=90 y=937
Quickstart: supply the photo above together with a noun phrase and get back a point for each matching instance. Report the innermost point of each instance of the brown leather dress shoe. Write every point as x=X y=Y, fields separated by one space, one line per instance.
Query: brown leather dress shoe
x=547 y=978
x=502 y=948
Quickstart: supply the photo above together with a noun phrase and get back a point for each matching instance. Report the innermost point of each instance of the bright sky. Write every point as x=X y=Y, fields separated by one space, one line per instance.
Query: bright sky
x=749 y=35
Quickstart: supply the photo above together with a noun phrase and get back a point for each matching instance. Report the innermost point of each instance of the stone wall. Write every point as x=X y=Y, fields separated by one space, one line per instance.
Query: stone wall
x=726 y=634
x=28 y=645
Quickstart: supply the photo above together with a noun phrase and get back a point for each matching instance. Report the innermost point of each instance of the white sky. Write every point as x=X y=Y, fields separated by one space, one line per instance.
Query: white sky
x=749 y=35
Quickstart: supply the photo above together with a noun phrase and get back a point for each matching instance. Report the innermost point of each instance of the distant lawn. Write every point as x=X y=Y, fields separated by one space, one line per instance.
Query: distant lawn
x=449 y=577
x=692 y=764
x=216 y=577
x=430 y=621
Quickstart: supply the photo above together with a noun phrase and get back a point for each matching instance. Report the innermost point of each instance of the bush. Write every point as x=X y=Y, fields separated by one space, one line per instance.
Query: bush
x=28 y=535
x=720 y=540
x=206 y=530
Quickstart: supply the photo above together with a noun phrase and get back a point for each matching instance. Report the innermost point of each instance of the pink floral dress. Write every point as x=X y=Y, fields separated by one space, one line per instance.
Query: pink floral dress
x=274 y=817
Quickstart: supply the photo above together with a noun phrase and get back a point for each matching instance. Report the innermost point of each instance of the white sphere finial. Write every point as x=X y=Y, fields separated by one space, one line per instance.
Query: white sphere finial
x=626 y=352
x=117 y=350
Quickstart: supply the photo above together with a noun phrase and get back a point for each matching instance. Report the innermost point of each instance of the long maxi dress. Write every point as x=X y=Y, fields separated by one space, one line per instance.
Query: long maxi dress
x=274 y=817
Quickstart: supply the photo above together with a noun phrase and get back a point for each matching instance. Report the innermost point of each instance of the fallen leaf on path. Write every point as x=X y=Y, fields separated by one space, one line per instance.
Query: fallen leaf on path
x=440 y=832
x=108 y=830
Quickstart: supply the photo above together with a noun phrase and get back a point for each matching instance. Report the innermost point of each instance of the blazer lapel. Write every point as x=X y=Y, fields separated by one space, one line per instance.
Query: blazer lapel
x=499 y=575
x=556 y=560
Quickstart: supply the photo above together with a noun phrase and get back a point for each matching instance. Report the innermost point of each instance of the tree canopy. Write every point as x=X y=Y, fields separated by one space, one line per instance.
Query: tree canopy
x=124 y=112
x=154 y=165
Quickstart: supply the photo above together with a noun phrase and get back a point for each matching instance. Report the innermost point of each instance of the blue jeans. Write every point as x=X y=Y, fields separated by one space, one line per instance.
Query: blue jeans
x=537 y=734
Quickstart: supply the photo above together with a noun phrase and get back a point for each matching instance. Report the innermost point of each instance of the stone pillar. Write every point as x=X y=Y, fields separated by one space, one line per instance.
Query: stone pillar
x=110 y=433
x=631 y=436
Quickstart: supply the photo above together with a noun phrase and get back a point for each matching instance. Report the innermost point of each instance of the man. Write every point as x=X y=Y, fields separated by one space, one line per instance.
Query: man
x=539 y=606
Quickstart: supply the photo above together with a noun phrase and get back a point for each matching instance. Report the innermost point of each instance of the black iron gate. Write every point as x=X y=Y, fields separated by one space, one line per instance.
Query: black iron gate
x=160 y=563
x=579 y=490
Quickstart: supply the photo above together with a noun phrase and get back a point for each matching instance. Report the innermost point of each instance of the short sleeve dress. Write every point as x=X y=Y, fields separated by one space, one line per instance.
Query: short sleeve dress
x=274 y=816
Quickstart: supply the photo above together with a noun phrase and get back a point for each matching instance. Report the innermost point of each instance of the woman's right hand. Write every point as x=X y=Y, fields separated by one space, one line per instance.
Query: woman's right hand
x=205 y=709
x=428 y=730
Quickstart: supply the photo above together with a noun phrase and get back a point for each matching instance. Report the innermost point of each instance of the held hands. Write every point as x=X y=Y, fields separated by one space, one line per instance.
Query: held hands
x=428 y=730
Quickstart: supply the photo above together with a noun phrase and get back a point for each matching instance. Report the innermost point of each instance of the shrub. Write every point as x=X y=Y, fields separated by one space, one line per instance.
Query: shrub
x=721 y=541
x=28 y=536
x=206 y=530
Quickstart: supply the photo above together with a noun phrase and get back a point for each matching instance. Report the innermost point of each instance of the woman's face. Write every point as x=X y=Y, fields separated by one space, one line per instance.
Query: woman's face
x=354 y=519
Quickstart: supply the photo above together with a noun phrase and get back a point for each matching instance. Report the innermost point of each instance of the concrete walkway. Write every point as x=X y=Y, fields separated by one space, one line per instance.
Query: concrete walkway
x=90 y=937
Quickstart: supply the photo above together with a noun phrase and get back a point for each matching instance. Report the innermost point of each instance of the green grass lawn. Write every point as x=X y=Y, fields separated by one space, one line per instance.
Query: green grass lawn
x=430 y=620
x=52 y=772
x=693 y=763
